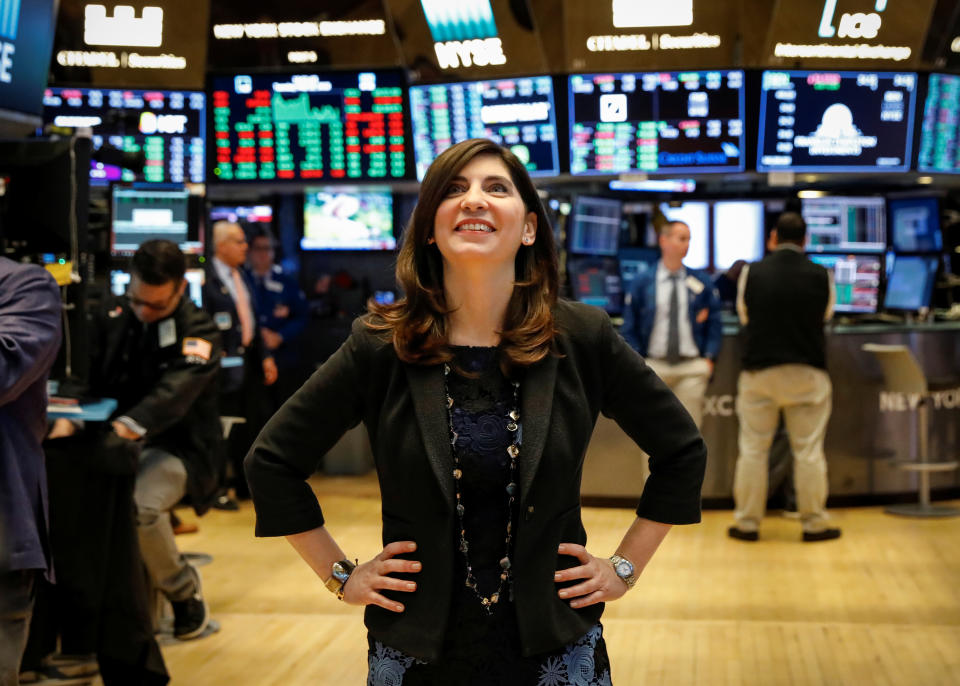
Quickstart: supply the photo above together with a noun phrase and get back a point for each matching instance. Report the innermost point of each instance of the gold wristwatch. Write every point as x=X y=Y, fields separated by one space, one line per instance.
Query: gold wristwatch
x=339 y=574
x=624 y=569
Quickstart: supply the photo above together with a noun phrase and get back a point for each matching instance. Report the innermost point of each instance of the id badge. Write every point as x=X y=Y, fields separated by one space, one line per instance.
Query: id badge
x=223 y=320
x=167 y=331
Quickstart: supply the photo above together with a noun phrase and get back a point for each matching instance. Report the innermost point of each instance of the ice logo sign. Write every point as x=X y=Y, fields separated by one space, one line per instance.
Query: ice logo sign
x=124 y=27
x=836 y=134
x=856 y=25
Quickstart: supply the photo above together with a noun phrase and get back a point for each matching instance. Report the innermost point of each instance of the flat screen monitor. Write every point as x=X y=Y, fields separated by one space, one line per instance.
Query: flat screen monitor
x=517 y=113
x=595 y=226
x=346 y=218
x=596 y=281
x=242 y=214
x=910 y=282
x=915 y=224
x=659 y=122
x=836 y=121
x=309 y=127
x=120 y=279
x=141 y=215
x=939 y=149
x=845 y=224
x=168 y=127
x=696 y=215
x=26 y=39
x=634 y=262
x=857 y=281
x=737 y=232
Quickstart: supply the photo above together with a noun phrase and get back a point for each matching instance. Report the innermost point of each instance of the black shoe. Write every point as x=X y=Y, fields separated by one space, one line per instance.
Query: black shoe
x=741 y=535
x=190 y=616
x=225 y=502
x=825 y=535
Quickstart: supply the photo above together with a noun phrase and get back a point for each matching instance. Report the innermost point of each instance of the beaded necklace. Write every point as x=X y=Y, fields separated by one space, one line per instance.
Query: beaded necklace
x=513 y=450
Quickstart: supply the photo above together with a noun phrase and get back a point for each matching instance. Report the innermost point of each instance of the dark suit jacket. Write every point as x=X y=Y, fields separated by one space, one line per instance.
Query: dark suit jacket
x=29 y=341
x=218 y=302
x=403 y=409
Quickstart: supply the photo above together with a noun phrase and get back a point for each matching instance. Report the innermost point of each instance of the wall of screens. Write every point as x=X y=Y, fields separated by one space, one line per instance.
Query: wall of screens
x=518 y=113
x=836 y=121
x=666 y=122
x=940 y=131
x=308 y=127
x=167 y=126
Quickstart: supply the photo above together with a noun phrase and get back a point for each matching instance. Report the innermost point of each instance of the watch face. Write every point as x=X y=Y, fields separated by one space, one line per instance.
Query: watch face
x=339 y=572
x=624 y=569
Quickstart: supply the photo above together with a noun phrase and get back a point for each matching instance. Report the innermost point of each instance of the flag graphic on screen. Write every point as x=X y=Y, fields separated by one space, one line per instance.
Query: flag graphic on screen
x=9 y=18
x=464 y=20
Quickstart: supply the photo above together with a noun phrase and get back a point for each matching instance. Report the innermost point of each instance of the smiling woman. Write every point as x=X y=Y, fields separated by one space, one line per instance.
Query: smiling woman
x=479 y=389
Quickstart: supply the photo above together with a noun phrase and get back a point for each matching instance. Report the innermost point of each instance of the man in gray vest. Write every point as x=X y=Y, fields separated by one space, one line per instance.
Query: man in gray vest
x=783 y=302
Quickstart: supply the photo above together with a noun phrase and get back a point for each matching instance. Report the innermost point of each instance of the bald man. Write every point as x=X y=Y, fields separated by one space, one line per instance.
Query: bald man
x=246 y=365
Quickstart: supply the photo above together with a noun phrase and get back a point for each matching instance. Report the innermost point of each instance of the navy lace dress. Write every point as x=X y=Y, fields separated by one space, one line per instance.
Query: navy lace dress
x=484 y=649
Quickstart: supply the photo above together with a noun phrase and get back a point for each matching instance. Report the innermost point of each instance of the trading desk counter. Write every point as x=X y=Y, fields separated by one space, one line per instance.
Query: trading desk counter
x=867 y=428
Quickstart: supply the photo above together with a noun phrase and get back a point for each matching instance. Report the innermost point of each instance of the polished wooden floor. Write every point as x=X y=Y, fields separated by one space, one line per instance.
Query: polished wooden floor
x=881 y=605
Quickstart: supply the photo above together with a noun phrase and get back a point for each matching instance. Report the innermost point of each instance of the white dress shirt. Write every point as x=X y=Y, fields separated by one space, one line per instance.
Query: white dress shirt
x=226 y=277
x=661 y=319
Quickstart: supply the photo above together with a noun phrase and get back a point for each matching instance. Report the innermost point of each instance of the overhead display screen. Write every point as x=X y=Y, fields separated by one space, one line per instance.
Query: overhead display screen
x=836 y=121
x=516 y=113
x=26 y=37
x=167 y=126
x=308 y=127
x=940 y=132
x=656 y=122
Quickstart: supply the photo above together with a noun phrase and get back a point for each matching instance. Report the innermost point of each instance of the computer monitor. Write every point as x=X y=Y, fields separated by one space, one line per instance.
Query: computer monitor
x=314 y=126
x=832 y=121
x=696 y=215
x=634 y=262
x=168 y=127
x=596 y=281
x=26 y=39
x=845 y=224
x=517 y=113
x=737 y=232
x=120 y=279
x=348 y=218
x=857 y=281
x=595 y=226
x=910 y=282
x=656 y=122
x=915 y=224
x=140 y=215
x=939 y=148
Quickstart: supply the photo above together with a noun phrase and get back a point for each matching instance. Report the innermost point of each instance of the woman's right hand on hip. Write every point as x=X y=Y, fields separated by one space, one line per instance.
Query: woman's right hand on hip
x=368 y=579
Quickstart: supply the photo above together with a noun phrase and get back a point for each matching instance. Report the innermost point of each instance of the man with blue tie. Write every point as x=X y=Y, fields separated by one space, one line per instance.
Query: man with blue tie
x=672 y=318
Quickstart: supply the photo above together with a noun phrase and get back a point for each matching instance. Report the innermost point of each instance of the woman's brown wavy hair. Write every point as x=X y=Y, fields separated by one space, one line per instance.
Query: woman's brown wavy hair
x=417 y=323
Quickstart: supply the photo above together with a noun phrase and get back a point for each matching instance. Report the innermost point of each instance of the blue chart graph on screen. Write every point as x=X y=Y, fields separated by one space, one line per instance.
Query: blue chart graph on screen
x=656 y=122
x=517 y=113
x=940 y=134
x=836 y=121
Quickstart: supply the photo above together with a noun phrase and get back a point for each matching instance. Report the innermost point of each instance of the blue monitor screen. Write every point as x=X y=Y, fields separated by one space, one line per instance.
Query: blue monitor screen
x=915 y=224
x=168 y=127
x=857 y=281
x=910 y=283
x=347 y=218
x=666 y=122
x=595 y=226
x=836 y=121
x=845 y=224
x=939 y=150
x=596 y=281
x=26 y=37
x=516 y=113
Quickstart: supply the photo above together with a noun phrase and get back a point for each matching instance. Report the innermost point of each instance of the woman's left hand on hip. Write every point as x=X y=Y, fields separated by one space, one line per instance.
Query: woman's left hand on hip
x=600 y=583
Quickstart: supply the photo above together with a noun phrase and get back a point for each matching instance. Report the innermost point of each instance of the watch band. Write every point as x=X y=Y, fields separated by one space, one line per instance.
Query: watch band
x=624 y=569
x=339 y=574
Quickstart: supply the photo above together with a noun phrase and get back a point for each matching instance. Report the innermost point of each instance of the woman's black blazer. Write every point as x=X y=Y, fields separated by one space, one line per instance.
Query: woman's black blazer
x=403 y=409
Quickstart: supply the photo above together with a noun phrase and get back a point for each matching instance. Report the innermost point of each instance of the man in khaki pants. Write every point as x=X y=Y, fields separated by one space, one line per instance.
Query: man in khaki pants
x=783 y=302
x=672 y=318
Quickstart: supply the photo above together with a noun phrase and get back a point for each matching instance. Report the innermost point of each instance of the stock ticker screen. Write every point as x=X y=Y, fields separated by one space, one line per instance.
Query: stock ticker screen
x=836 y=121
x=308 y=127
x=940 y=132
x=656 y=122
x=517 y=113
x=167 y=126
